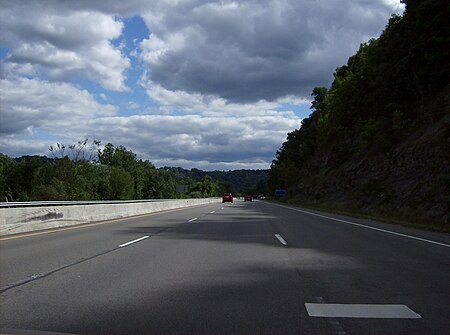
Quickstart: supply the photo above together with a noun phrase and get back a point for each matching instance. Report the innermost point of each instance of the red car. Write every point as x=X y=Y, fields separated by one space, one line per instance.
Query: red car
x=248 y=198
x=227 y=197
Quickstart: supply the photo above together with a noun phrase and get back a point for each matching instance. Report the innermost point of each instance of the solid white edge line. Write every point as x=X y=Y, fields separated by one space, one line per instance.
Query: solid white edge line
x=281 y=239
x=368 y=227
x=134 y=241
x=193 y=219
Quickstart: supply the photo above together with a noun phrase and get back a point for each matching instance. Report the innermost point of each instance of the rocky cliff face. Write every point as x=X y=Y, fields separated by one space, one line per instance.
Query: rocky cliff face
x=412 y=182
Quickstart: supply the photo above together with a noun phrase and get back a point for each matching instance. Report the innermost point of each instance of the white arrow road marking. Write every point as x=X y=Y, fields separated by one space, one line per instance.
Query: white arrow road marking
x=361 y=311
x=134 y=241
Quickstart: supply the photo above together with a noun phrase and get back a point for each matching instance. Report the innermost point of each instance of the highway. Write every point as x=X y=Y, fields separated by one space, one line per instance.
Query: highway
x=242 y=268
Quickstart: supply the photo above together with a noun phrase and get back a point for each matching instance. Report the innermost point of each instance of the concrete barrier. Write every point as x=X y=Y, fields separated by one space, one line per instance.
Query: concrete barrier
x=25 y=219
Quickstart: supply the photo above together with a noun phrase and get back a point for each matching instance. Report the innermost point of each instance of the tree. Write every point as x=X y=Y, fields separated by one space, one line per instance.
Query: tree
x=122 y=184
x=7 y=169
x=205 y=188
x=80 y=151
x=117 y=156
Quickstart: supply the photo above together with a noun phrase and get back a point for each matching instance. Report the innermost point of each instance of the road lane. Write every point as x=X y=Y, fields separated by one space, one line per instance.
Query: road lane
x=349 y=264
x=228 y=272
x=22 y=258
x=218 y=274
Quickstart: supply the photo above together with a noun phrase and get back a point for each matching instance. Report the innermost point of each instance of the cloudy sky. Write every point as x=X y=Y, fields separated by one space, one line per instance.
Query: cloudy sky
x=191 y=83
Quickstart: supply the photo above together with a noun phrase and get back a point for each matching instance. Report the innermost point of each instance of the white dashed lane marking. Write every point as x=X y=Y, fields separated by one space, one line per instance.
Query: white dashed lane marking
x=134 y=241
x=361 y=311
x=281 y=239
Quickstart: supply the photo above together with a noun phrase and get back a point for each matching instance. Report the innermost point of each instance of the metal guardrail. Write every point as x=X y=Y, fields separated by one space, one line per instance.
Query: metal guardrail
x=71 y=203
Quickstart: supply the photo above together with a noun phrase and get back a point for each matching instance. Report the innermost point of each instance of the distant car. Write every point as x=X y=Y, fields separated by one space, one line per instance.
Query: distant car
x=248 y=198
x=261 y=197
x=227 y=197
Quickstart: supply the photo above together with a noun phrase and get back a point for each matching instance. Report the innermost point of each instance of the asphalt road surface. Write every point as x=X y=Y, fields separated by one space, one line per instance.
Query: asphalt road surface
x=241 y=268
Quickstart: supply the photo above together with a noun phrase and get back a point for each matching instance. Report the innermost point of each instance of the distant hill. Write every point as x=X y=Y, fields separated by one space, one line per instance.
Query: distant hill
x=247 y=181
x=378 y=140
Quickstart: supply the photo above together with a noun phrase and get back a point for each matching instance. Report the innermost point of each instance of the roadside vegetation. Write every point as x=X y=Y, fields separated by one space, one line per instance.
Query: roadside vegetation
x=377 y=142
x=88 y=171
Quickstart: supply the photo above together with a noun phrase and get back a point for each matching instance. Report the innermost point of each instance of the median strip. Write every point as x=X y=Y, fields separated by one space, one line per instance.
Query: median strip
x=84 y=225
x=134 y=241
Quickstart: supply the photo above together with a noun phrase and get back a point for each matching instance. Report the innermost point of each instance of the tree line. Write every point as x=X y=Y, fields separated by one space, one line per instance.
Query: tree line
x=84 y=171
x=379 y=98
x=238 y=182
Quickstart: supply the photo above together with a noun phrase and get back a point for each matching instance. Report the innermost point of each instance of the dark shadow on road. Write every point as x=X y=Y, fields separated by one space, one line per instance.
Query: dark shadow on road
x=227 y=274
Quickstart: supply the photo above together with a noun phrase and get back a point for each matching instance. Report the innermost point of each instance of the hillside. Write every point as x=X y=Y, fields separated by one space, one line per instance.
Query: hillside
x=242 y=181
x=378 y=140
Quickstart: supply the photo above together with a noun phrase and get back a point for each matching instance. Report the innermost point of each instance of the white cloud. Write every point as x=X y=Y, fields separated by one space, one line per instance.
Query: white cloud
x=52 y=42
x=216 y=73
x=210 y=105
x=211 y=166
x=15 y=147
x=60 y=108
x=195 y=138
x=224 y=137
x=250 y=51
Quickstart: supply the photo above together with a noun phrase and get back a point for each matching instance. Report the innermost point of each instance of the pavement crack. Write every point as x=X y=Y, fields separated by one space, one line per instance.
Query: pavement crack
x=35 y=277
x=38 y=276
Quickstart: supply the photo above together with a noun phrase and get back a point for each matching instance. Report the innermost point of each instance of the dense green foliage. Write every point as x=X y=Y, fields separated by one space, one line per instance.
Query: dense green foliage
x=235 y=181
x=393 y=87
x=86 y=172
